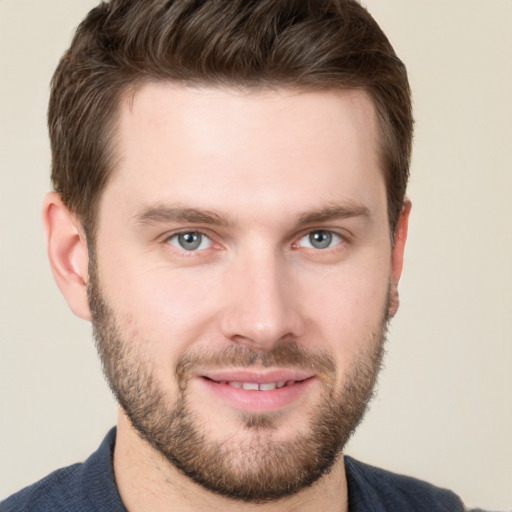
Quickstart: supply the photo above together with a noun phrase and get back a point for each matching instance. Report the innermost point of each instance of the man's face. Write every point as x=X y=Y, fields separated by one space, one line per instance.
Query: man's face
x=240 y=282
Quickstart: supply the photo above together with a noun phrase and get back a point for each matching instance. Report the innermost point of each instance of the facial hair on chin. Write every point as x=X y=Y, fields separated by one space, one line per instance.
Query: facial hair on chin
x=251 y=466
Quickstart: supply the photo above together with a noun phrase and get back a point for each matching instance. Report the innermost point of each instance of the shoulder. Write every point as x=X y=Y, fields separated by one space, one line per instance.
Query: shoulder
x=83 y=487
x=375 y=489
x=60 y=490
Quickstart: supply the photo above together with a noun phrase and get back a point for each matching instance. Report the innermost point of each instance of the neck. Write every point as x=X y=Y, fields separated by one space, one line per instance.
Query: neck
x=148 y=482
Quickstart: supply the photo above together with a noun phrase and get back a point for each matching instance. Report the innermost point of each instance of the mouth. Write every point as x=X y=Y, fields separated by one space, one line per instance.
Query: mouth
x=258 y=392
x=257 y=386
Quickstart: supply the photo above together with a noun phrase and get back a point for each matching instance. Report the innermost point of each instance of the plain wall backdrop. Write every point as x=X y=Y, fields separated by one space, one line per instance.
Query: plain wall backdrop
x=444 y=406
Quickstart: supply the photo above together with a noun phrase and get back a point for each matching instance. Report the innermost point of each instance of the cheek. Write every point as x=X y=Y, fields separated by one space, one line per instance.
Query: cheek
x=348 y=309
x=168 y=309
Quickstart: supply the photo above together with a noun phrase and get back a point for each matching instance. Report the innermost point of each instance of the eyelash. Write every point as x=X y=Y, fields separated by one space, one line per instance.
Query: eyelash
x=202 y=235
x=334 y=235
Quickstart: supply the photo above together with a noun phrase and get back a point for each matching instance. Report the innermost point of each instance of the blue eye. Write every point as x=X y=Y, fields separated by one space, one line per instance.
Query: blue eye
x=190 y=241
x=320 y=240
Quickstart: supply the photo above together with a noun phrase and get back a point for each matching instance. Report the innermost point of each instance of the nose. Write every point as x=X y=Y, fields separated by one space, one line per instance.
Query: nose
x=262 y=307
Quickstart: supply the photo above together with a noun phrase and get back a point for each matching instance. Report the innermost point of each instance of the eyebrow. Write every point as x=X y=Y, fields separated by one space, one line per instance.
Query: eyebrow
x=161 y=214
x=334 y=212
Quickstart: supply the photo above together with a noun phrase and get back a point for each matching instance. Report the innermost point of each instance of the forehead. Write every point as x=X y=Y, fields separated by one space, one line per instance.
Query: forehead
x=211 y=147
x=203 y=114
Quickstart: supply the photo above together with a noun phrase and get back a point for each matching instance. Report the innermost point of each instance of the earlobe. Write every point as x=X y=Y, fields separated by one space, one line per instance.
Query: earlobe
x=67 y=252
x=397 y=257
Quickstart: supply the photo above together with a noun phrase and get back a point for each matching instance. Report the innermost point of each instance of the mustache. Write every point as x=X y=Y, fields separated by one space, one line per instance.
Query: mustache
x=284 y=355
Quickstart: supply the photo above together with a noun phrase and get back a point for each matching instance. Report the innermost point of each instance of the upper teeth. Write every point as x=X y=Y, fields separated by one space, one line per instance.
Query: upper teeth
x=254 y=386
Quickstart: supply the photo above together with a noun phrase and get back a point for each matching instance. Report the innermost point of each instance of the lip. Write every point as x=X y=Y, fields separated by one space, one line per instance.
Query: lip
x=255 y=401
x=262 y=377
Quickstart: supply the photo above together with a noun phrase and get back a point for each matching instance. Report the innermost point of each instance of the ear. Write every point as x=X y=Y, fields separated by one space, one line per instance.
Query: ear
x=397 y=257
x=67 y=251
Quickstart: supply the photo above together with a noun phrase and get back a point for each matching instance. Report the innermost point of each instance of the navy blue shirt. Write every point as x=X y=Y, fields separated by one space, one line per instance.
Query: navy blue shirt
x=90 y=486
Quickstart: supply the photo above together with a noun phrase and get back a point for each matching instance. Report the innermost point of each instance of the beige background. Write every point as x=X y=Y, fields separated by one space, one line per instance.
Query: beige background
x=444 y=408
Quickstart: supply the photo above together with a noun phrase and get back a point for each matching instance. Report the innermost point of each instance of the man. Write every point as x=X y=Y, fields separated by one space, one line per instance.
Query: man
x=229 y=212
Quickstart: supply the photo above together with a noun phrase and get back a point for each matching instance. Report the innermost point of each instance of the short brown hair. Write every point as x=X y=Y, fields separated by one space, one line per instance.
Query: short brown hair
x=304 y=44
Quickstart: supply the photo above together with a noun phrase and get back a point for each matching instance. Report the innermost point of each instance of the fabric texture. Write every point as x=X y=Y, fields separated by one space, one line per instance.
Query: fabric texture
x=84 y=487
x=372 y=489
x=90 y=486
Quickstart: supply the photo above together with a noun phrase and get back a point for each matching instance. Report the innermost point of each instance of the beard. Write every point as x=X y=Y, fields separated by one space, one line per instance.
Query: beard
x=251 y=466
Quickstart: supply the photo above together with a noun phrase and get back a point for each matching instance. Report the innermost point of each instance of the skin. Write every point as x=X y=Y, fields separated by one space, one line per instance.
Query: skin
x=273 y=167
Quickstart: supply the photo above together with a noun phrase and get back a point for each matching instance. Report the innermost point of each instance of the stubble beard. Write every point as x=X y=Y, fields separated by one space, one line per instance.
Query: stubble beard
x=251 y=466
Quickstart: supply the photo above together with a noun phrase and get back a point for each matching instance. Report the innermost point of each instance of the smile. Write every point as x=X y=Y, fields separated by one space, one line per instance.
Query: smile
x=258 y=392
x=255 y=386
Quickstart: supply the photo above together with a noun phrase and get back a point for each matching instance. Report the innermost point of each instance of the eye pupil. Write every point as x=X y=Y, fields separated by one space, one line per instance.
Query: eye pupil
x=190 y=241
x=320 y=239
